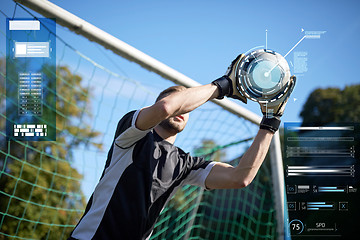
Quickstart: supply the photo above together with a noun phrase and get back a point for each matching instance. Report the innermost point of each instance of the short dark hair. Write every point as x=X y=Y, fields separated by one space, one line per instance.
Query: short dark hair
x=168 y=91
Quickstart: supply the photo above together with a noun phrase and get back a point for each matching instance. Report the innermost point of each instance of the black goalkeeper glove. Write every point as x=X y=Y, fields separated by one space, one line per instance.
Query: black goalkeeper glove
x=227 y=83
x=274 y=110
x=277 y=107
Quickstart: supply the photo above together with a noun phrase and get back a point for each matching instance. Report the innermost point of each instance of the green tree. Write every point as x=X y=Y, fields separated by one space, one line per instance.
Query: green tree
x=332 y=105
x=40 y=194
x=210 y=150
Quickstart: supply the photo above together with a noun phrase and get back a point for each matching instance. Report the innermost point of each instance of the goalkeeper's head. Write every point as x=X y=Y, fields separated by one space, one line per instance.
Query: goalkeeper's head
x=177 y=123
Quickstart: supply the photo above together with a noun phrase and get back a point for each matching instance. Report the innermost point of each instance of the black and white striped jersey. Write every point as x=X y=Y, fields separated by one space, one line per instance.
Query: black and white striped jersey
x=141 y=174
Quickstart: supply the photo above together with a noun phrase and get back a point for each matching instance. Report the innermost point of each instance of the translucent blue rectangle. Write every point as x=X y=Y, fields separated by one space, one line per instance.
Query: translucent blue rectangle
x=31 y=79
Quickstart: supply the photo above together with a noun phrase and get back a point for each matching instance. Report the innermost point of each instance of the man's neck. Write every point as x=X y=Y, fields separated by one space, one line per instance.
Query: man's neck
x=165 y=134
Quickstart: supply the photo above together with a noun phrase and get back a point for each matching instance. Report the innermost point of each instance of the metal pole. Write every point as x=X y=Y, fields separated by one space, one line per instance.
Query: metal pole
x=89 y=31
x=277 y=174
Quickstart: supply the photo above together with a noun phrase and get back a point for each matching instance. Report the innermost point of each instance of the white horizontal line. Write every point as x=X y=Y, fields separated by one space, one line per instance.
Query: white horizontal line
x=318 y=170
x=24 y=25
x=322 y=128
x=319 y=167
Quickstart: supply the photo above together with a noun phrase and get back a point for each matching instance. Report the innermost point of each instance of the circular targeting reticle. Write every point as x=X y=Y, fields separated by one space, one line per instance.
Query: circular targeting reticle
x=262 y=75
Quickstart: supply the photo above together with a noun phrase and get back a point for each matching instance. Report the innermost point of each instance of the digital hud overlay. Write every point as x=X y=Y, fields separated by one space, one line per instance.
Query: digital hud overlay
x=321 y=169
x=30 y=79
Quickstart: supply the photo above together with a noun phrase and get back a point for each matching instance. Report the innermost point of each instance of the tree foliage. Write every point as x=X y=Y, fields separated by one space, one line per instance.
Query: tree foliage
x=332 y=105
x=209 y=150
x=40 y=194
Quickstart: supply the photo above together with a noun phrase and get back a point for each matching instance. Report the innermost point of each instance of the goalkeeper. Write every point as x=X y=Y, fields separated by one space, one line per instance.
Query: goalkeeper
x=144 y=169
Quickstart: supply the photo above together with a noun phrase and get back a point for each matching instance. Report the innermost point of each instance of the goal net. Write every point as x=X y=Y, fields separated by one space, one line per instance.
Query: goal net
x=44 y=186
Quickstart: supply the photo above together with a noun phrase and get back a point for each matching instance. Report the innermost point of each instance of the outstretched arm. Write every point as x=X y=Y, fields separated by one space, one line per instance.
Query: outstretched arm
x=175 y=104
x=223 y=175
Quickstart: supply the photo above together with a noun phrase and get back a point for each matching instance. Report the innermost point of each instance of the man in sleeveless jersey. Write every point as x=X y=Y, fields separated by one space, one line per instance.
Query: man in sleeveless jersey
x=144 y=169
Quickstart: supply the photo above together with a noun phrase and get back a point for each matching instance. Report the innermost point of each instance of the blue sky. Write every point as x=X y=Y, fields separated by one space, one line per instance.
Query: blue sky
x=201 y=38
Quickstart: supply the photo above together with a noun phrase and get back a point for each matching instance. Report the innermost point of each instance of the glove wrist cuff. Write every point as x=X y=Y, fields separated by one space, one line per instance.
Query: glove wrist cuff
x=271 y=124
x=224 y=86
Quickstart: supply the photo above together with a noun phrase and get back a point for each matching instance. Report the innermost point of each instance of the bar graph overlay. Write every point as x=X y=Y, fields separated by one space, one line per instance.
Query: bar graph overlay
x=321 y=169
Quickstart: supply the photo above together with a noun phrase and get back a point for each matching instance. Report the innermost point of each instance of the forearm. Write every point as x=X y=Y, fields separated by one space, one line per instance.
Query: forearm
x=251 y=161
x=177 y=103
x=223 y=175
x=189 y=99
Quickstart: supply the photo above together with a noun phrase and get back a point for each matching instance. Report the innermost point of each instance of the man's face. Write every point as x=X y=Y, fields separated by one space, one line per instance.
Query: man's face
x=175 y=124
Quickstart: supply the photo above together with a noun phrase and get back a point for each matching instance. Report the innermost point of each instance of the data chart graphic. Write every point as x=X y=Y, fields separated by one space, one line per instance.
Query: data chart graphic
x=30 y=81
x=321 y=169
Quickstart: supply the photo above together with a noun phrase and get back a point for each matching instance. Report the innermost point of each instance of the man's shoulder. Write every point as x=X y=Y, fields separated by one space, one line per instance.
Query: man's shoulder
x=181 y=152
x=188 y=157
x=128 y=115
x=124 y=123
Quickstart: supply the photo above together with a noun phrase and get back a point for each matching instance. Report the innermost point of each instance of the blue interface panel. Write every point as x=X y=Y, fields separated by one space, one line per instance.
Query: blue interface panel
x=31 y=79
x=321 y=168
